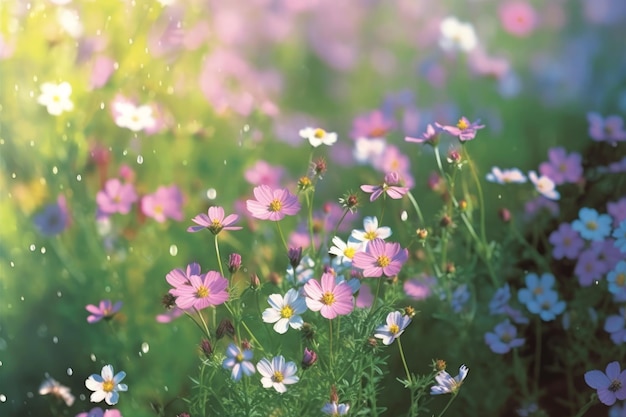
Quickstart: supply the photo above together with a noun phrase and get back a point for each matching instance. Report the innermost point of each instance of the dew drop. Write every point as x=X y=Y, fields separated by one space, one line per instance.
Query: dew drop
x=79 y=177
x=12 y=264
x=30 y=394
x=42 y=250
x=225 y=162
x=55 y=340
x=101 y=105
x=22 y=298
x=246 y=128
x=404 y=215
x=166 y=388
x=211 y=193
x=13 y=175
x=32 y=247
x=3 y=398
x=0 y=363
x=55 y=170
x=107 y=289
x=139 y=159
x=82 y=397
x=92 y=357
x=145 y=347
x=70 y=371
x=173 y=250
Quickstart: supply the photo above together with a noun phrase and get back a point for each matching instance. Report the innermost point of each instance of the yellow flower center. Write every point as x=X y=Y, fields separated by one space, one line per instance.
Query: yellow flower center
x=216 y=223
x=319 y=133
x=286 y=312
x=383 y=261
x=506 y=338
x=275 y=205
x=239 y=357
x=620 y=279
x=158 y=209
x=349 y=252
x=370 y=235
x=462 y=124
x=591 y=225
x=328 y=298
x=56 y=98
x=538 y=290
x=278 y=376
x=108 y=385
x=393 y=329
x=202 y=291
x=563 y=168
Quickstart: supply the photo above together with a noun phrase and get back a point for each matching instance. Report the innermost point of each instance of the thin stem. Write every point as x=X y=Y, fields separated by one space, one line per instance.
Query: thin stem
x=587 y=406
x=448 y=405
x=537 y=355
x=330 y=338
x=481 y=199
x=376 y=295
x=217 y=253
x=429 y=252
x=202 y=329
x=280 y=232
x=309 y=203
x=416 y=207
x=206 y=328
x=406 y=368
x=343 y=216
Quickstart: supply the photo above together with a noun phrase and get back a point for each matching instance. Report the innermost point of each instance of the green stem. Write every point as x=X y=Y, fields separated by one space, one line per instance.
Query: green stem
x=202 y=329
x=537 y=355
x=309 y=203
x=481 y=199
x=330 y=338
x=280 y=232
x=376 y=296
x=406 y=368
x=343 y=216
x=587 y=406
x=206 y=327
x=219 y=258
x=447 y=405
x=429 y=252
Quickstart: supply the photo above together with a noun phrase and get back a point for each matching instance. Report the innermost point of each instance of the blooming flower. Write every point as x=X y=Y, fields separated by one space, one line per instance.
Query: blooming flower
x=567 y=242
x=464 y=130
x=329 y=298
x=285 y=312
x=618 y=410
x=130 y=116
x=620 y=236
x=588 y=269
x=238 y=361
x=591 y=225
x=419 y=288
x=368 y=150
x=448 y=385
x=503 y=338
x=535 y=286
x=547 y=305
x=500 y=300
x=505 y=176
x=263 y=173
x=165 y=203
x=396 y=323
x=518 y=18
x=609 y=129
x=334 y=409
x=544 y=186
x=561 y=167
x=371 y=231
x=54 y=388
x=345 y=251
x=56 y=97
x=373 y=125
x=272 y=204
x=615 y=324
x=457 y=35
x=317 y=136
x=277 y=373
x=381 y=258
x=389 y=187
x=617 y=210
x=431 y=136
x=214 y=220
x=177 y=277
x=610 y=386
x=460 y=297
x=202 y=291
x=116 y=197
x=53 y=219
x=617 y=281
x=106 y=385
x=105 y=310
x=99 y=412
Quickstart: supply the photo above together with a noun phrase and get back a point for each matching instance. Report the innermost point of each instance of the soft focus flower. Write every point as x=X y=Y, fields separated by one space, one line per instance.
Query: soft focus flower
x=544 y=186
x=202 y=291
x=368 y=150
x=345 y=251
x=448 y=385
x=272 y=204
x=334 y=409
x=620 y=236
x=328 y=297
x=617 y=282
x=99 y=412
x=214 y=220
x=56 y=98
x=106 y=385
x=503 y=338
x=371 y=231
x=617 y=210
x=609 y=129
x=238 y=361
x=53 y=219
x=309 y=358
x=177 y=277
x=263 y=173
x=464 y=129
x=456 y=35
x=518 y=17
x=285 y=311
x=381 y=258
x=116 y=197
x=547 y=305
x=591 y=225
x=611 y=386
x=618 y=410
x=505 y=176
x=567 y=242
x=460 y=297
x=105 y=310
x=53 y=387
x=277 y=373
x=615 y=325
x=535 y=286
x=588 y=269
x=317 y=136
x=396 y=323
x=562 y=168
x=419 y=288
x=234 y=262
x=500 y=300
x=373 y=125
x=431 y=136
x=130 y=116
x=166 y=202
x=390 y=187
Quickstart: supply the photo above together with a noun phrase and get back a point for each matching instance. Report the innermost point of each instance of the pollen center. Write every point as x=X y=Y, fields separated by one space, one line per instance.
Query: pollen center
x=394 y=329
x=319 y=133
x=620 y=279
x=108 y=385
x=462 y=124
x=370 y=235
x=202 y=291
x=591 y=225
x=349 y=252
x=278 y=376
x=239 y=357
x=538 y=290
x=615 y=386
x=383 y=261
x=328 y=298
x=286 y=312
x=275 y=205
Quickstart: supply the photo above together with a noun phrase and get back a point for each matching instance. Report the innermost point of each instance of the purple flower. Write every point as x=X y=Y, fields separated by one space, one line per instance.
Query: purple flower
x=214 y=220
x=561 y=167
x=166 y=202
x=99 y=412
x=309 y=357
x=272 y=204
x=617 y=282
x=460 y=297
x=53 y=219
x=419 y=288
x=372 y=125
x=430 y=137
x=541 y=203
x=380 y=259
x=464 y=130
x=503 y=338
x=611 y=386
x=263 y=173
x=617 y=210
x=588 y=269
x=238 y=361
x=389 y=187
x=609 y=129
x=620 y=237
x=116 y=197
x=615 y=324
x=105 y=310
x=567 y=242
x=500 y=300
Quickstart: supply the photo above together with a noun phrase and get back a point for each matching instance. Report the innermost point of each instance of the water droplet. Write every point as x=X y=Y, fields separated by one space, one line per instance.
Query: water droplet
x=499 y=196
x=130 y=41
x=211 y=193
x=70 y=371
x=32 y=143
x=55 y=340
x=0 y=363
x=107 y=289
x=139 y=159
x=225 y=162
x=59 y=294
x=79 y=177
x=32 y=248
x=12 y=264
x=145 y=348
x=30 y=394
x=13 y=175
x=82 y=397
x=92 y=357
x=246 y=128
x=404 y=215
x=101 y=105
x=166 y=388
x=173 y=250
x=55 y=170
x=125 y=152
x=3 y=398
x=42 y=250
x=22 y=298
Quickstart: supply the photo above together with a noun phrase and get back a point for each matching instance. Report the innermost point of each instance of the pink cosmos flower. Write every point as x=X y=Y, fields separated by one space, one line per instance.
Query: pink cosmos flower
x=166 y=202
x=263 y=173
x=214 y=220
x=103 y=68
x=464 y=130
x=389 y=186
x=381 y=258
x=105 y=310
x=116 y=197
x=272 y=204
x=177 y=277
x=202 y=291
x=329 y=298
x=372 y=125
x=518 y=18
x=430 y=137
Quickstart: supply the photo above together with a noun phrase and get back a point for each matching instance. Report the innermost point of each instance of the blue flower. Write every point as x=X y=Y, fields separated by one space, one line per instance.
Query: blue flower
x=238 y=361
x=53 y=219
x=616 y=325
x=591 y=225
x=499 y=301
x=460 y=297
x=547 y=305
x=617 y=281
x=620 y=236
x=535 y=286
x=503 y=339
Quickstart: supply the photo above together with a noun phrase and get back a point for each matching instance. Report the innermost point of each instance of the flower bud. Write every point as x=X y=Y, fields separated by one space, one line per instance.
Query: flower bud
x=462 y=205
x=450 y=268
x=246 y=345
x=505 y=215
x=304 y=183
x=295 y=256
x=445 y=221
x=309 y=358
x=334 y=398
x=255 y=283
x=409 y=311
x=206 y=347
x=421 y=233
x=234 y=262
x=319 y=167
x=168 y=301
x=225 y=328
x=308 y=332
x=440 y=365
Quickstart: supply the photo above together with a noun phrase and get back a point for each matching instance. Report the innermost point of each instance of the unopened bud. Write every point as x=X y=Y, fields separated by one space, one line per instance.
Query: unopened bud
x=246 y=345
x=421 y=233
x=445 y=221
x=334 y=398
x=450 y=268
x=206 y=347
x=225 y=328
x=308 y=332
x=308 y=358
x=505 y=215
x=440 y=365
x=409 y=311
x=234 y=262
x=462 y=205
x=255 y=283
x=295 y=256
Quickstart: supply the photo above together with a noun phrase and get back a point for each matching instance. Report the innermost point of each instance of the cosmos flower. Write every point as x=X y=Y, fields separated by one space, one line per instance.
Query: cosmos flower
x=390 y=187
x=448 y=385
x=99 y=412
x=277 y=373
x=50 y=386
x=610 y=385
x=272 y=204
x=238 y=361
x=164 y=203
x=328 y=297
x=620 y=236
x=56 y=98
x=334 y=409
x=345 y=251
x=591 y=225
x=317 y=136
x=503 y=338
x=506 y=176
x=106 y=385
x=370 y=231
x=396 y=323
x=116 y=197
x=285 y=311
x=202 y=291
x=105 y=310
x=53 y=219
x=567 y=242
x=562 y=167
x=456 y=35
x=544 y=186
x=518 y=18
x=129 y=116
x=214 y=220
x=430 y=137
x=381 y=258
x=464 y=129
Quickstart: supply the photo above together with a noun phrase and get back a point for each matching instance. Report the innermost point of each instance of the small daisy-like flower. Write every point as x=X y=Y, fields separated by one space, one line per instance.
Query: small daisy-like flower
x=334 y=409
x=135 y=118
x=56 y=98
x=567 y=242
x=371 y=231
x=535 y=286
x=503 y=338
x=615 y=325
x=464 y=129
x=380 y=259
x=272 y=204
x=390 y=187
x=448 y=385
x=456 y=35
x=277 y=373
x=561 y=167
x=610 y=385
x=238 y=361
x=617 y=281
x=588 y=268
x=547 y=305
x=50 y=386
x=396 y=323
x=105 y=310
x=345 y=251
x=317 y=136
x=53 y=219
x=214 y=220
x=620 y=236
x=506 y=176
x=106 y=385
x=591 y=225
x=544 y=186
x=285 y=312
x=328 y=297
x=202 y=291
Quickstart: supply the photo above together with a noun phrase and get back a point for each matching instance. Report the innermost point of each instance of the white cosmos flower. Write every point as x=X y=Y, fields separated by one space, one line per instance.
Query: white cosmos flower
x=345 y=251
x=396 y=323
x=135 y=118
x=371 y=231
x=106 y=385
x=56 y=97
x=276 y=374
x=505 y=176
x=53 y=387
x=448 y=385
x=457 y=35
x=285 y=312
x=367 y=150
x=544 y=186
x=317 y=136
